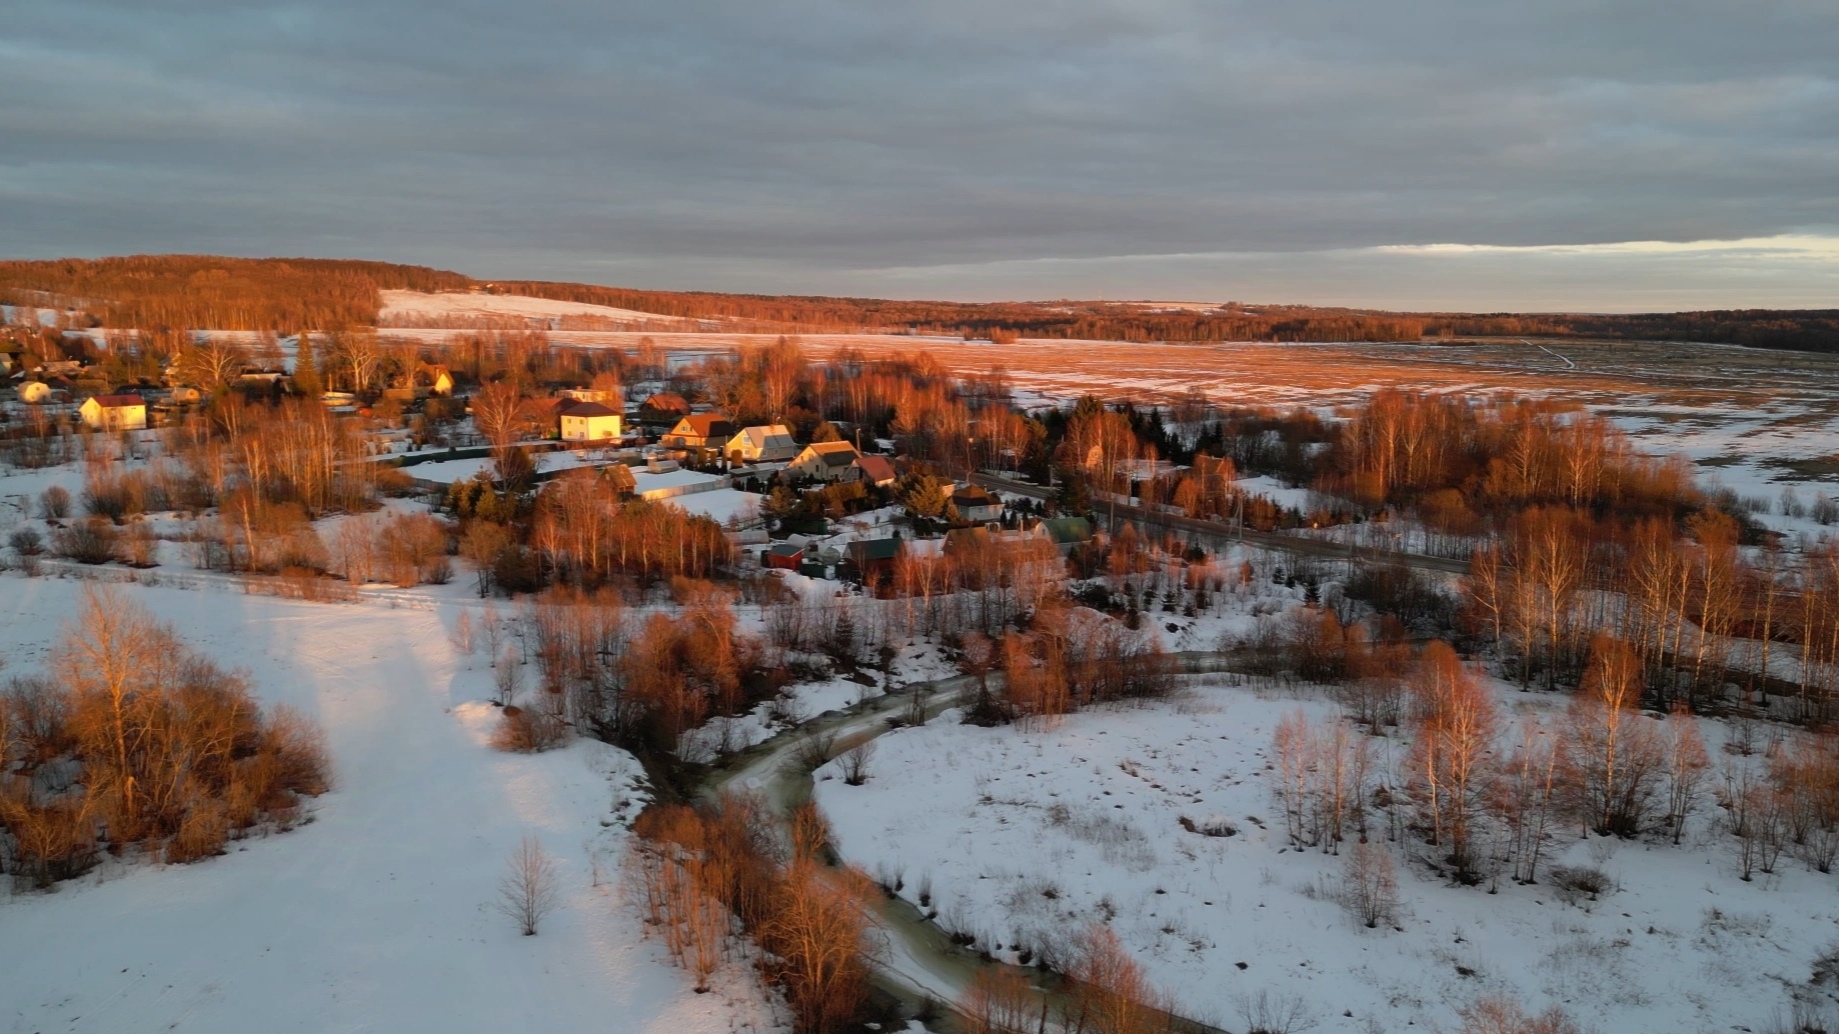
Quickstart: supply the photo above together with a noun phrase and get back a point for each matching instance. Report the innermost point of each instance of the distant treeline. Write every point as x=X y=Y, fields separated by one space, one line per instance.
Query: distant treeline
x=1805 y=330
x=184 y=292
x=1104 y=321
x=201 y=291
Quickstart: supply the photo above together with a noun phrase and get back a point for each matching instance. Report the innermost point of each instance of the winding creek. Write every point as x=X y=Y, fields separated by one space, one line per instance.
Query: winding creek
x=918 y=964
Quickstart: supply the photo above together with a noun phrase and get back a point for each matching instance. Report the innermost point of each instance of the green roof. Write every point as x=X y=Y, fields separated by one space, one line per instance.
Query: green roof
x=874 y=549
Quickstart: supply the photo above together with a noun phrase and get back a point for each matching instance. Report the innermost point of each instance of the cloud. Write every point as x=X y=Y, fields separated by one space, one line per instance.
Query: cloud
x=811 y=145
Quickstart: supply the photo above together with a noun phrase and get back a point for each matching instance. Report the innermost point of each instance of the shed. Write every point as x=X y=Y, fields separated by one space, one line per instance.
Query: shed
x=785 y=556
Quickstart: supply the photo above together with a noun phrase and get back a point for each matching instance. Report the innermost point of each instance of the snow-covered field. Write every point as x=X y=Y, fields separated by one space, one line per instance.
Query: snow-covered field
x=379 y=914
x=467 y=305
x=1025 y=836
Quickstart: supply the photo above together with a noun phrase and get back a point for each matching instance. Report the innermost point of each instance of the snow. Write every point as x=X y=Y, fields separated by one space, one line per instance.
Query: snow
x=723 y=505
x=1025 y=836
x=1277 y=492
x=688 y=481
x=468 y=305
x=377 y=915
x=450 y=471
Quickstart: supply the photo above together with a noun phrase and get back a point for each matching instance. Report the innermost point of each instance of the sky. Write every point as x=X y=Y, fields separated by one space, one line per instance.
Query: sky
x=1431 y=154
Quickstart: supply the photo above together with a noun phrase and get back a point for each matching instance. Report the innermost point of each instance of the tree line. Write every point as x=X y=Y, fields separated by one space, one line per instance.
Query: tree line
x=190 y=292
x=213 y=292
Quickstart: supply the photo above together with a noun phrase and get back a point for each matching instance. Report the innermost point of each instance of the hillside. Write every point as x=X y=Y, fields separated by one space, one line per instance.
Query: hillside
x=174 y=292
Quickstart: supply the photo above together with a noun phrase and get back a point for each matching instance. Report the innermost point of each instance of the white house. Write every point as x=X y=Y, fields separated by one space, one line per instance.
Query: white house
x=589 y=422
x=114 y=412
x=762 y=443
x=975 y=504
x=826 y=461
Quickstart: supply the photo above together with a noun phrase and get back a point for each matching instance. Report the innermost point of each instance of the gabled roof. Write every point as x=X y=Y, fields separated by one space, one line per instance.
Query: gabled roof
x=587 y=409
x=972 y=495
x=787 y=549
x=876 y=468
x=873 y=549
x=764 y=434
x=118 y=401
x=705 y=425
x=666 y=402
x=834 y=454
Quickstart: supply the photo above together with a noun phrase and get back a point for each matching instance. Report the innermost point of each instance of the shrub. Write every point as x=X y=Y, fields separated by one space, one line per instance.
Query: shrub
x=108 y=500
x=26 y=541
x=1574 y=883
x=525 y=731
x=1370 y=886
x=218 y=766
x=54 y=503
x=91 y=541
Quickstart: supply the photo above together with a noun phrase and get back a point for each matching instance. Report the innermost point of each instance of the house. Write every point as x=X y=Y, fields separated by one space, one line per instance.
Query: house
x=664 y=408
x=826 y=461
x=589 y=422
x=786 y=556
x=699 y=431
x=186 y=395
x=976 y=505
x=1067 y=532
x=114 y=412
x=35 y=392
x=600 y=395
x=433 y=380
x=762 y=443
x=875 y=470
x=872 y=560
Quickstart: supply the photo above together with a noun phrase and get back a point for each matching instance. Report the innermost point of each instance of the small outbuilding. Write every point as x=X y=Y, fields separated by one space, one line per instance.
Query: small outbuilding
x=871 y=561
x=786 y=556
x=875 y=470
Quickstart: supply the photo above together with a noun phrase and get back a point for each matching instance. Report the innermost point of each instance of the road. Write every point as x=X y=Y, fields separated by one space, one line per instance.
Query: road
x=918 y=963
x=1263 y=539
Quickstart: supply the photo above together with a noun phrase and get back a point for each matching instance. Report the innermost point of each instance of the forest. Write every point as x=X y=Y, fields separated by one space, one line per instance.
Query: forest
x=164 y=293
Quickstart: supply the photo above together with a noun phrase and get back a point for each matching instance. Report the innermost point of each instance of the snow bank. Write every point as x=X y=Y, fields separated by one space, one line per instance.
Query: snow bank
x=379 y=914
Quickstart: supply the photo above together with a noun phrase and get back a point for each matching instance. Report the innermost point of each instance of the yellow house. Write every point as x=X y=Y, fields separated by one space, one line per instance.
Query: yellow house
x=589 y=422
x=114 y=412
x=827 y=461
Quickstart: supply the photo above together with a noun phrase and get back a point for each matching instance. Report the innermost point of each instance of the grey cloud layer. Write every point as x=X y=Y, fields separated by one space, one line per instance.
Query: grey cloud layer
x=816 y=146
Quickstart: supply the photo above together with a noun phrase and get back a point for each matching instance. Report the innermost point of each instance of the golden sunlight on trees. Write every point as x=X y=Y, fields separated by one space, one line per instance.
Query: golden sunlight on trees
x=178 y=757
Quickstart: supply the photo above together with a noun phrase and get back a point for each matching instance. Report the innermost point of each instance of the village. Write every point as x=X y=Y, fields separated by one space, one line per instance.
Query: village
x=827 y=503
